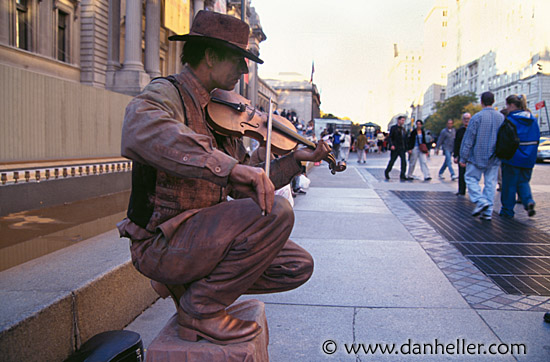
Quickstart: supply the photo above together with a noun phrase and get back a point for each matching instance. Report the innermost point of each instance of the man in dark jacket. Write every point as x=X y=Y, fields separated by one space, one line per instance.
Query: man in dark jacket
x=398 y=146
x=456 y=153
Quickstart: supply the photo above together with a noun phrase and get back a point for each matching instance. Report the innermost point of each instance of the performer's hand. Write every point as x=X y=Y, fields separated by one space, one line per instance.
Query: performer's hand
x=410 y=152
x=253 y=182
x=456 y=159
x=319 y=153
x=462 y=164
x=392 y=148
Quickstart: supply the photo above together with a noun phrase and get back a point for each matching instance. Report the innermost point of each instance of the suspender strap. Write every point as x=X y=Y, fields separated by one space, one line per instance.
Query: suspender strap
x=174 y=82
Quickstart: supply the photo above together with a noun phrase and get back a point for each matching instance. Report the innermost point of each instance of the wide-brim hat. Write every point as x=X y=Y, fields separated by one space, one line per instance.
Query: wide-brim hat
x=221 y=28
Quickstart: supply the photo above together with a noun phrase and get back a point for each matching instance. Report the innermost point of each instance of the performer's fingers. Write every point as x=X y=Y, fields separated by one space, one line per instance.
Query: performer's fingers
x=266 y=193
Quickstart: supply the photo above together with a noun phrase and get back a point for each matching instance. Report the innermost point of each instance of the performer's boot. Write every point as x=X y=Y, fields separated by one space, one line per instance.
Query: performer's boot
x=220 y=329
x=169 y=290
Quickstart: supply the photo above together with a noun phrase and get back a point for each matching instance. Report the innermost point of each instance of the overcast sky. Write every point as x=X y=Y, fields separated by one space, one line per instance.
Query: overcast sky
x=351 y=43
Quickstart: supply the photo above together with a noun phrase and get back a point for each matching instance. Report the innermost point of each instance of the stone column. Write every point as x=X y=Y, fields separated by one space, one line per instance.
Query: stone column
x=255 y=38
x=152 y=38
x=132 y=39
x=113 y=46
x=131 y=79
x=113 y=49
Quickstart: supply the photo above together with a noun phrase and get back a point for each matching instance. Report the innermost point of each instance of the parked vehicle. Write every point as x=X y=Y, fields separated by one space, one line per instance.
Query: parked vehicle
x=543 y=152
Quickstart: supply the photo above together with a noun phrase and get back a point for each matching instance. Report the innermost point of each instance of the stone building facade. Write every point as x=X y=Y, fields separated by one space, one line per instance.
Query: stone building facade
x=297 y=95
x=108 y=45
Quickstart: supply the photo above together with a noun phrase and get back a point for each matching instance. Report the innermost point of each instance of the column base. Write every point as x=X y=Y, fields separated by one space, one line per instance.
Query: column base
x=129 y=82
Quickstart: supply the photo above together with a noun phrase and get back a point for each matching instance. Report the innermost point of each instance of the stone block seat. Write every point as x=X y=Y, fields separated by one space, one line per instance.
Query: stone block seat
x=168 y=346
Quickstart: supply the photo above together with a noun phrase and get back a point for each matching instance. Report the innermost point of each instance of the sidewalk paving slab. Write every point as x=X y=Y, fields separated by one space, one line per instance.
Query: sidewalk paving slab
x=365 y=273
x=333 y=203
x=355 y=226
x=297 y=332
x=521 y=327
x=415 y=327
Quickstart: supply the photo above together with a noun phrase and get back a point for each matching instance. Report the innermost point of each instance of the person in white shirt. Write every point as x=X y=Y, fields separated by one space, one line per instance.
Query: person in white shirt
x=345 y=146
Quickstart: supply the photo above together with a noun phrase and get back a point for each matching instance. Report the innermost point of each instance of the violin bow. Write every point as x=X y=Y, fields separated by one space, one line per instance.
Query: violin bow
x=268 y=140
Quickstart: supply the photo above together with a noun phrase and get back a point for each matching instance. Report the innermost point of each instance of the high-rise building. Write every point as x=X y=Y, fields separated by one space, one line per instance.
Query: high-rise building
x=439 y=52
x=404 y=81
x=513 y=30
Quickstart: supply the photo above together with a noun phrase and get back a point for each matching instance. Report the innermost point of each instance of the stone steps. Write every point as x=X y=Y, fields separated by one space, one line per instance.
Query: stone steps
x=53 y=304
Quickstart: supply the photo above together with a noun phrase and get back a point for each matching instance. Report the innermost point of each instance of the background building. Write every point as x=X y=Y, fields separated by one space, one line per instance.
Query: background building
x=438 y=52
x=405 y=80
x=435 y=93
x=476 y=76
x=296 y=94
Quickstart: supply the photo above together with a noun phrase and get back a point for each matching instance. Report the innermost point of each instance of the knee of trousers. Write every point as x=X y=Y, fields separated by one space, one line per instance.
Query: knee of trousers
x=307 y=266
x=283 y=212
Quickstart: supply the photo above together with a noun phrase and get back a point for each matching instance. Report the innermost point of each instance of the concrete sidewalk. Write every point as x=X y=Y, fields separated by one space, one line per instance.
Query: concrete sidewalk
x=378 y=279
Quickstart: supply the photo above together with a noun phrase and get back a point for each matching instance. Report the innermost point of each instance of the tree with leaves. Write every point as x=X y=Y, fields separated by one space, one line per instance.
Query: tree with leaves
x=451 y=108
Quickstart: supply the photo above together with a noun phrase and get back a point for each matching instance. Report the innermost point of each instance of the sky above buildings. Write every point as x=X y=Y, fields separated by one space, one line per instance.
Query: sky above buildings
x=350 y=43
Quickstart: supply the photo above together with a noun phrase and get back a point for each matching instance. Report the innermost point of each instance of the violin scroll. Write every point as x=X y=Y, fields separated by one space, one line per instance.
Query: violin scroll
x=335 y=166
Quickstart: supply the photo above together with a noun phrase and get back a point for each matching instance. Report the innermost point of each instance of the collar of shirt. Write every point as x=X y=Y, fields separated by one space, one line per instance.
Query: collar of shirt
x=187 y=76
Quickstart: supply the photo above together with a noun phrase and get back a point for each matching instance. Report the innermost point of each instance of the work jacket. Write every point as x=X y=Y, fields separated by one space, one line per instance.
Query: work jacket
x=180 y=166
x=529 y=135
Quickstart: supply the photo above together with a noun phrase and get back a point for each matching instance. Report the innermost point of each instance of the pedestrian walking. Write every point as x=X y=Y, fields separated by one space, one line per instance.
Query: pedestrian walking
x=360 y=145
x=345 y=145
x=477 y=154
x=380 y=141
x=516 y=172
x=336 y=143
x=445 y=142
x=418 y=149
x=398 y=145
x=456 y=153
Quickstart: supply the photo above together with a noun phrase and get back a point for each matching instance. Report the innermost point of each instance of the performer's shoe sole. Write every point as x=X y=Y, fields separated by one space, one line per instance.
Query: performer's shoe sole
x=193 y=335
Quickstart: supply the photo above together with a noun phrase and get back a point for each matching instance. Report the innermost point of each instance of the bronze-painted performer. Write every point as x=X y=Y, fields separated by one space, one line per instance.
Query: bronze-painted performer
x=196 y=246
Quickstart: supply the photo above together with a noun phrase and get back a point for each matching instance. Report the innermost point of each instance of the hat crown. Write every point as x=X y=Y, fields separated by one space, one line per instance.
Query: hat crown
x=227 y=29
x=221 y=26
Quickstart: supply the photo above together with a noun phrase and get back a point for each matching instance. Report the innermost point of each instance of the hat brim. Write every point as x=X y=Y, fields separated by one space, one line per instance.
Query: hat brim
x=238 y=49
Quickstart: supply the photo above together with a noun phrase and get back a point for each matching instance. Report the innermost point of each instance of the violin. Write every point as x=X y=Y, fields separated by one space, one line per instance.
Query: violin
x=231 y=114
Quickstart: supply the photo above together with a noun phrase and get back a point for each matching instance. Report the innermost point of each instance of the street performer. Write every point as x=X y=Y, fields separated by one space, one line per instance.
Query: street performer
x=196 y=246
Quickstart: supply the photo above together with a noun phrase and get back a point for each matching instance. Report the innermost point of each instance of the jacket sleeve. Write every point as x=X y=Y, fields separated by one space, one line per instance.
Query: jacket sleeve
x=441 y=139
x=391 y=136
x=468 y=140
x=411 y=140
x=283 y=169
x=154 y=133
x=458 y=140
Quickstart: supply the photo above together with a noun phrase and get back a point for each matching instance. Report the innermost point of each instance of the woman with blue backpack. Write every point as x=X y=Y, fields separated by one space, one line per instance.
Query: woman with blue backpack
x=516 y=172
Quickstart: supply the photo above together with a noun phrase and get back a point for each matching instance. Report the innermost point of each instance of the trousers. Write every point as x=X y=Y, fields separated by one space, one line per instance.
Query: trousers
x=393 y=157
x=224 y=251
x=515 y=180
x=473 y=177
x=448 y=163
x=361 y=156
x=461 y=180
x=417 y=155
